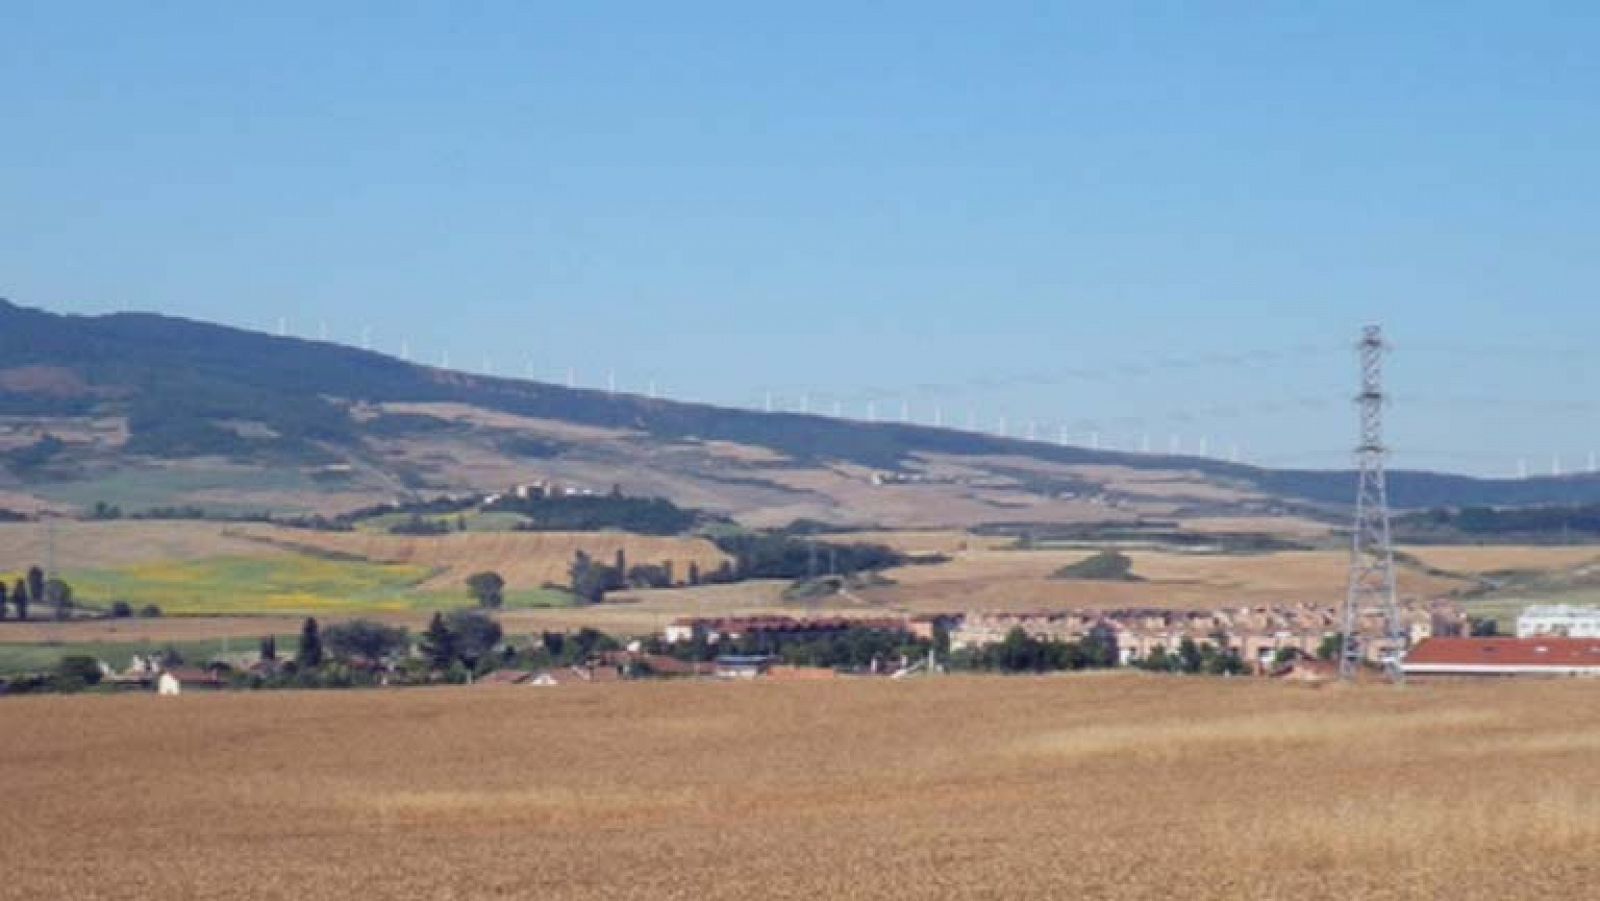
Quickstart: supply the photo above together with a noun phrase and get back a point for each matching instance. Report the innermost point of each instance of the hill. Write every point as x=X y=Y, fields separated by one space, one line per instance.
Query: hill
x=144 y=411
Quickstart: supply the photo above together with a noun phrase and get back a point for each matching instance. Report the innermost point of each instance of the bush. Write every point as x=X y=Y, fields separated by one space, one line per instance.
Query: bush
x=121 y=609
x=150 y=611
x=78 y=670
x=488 y=588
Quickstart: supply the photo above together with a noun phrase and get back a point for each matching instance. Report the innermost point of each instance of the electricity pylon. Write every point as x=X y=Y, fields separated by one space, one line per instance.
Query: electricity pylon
x=1371 y=591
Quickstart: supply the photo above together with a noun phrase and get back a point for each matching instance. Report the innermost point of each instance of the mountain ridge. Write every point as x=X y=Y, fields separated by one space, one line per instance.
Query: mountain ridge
x=187 y=389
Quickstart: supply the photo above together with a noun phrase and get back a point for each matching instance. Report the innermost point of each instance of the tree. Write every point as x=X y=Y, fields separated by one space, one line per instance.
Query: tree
x=269 y=648
x=588 y=579
x=1157 y=660
x=121 y=609
x=1189 y=655
x=1099 y=649
x=439 y=643
x=150 y=611
x=19 y=598
x=1483 y=626
x=364 y=638
x=58 y=595
x=476 y=634
x=35 y=584
x=309 y=655
x=3 y=600
x=75 y=671
x=1332 y=646
x=646 y=575
x=488 y=588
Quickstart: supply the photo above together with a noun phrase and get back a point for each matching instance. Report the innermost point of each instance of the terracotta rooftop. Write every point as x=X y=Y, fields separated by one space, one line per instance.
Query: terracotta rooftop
x=1546 y=651
x=505 y=677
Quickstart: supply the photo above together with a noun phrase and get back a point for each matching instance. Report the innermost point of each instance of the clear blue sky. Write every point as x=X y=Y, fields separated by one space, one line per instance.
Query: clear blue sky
x=992 y=201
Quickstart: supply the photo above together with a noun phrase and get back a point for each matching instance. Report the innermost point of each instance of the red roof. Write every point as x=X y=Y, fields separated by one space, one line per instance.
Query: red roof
x=506 y=677
x=1506 y=652
x=188 y=675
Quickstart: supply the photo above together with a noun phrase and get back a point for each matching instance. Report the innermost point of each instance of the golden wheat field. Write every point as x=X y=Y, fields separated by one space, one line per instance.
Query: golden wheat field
x=1000 y=579
x=525 y=559
x=1105 y=786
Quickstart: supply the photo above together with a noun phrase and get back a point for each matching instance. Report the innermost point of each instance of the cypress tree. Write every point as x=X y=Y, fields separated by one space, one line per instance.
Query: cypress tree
x=19 y=598
x=3 y=600
x=35 y=584
x=439 y=643
x=309 y=655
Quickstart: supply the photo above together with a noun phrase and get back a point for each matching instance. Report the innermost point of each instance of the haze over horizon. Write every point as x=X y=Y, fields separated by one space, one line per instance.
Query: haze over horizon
x=1137 y=222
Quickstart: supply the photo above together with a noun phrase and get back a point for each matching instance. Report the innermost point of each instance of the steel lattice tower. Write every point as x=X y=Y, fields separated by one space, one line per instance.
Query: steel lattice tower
x=1371 y=613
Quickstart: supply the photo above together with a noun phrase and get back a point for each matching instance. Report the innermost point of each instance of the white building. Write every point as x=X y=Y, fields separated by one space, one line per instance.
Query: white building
x=1559 y=619
x=168 y=684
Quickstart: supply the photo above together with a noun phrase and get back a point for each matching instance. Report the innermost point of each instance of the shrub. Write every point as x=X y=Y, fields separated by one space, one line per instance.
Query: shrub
x=79 y=670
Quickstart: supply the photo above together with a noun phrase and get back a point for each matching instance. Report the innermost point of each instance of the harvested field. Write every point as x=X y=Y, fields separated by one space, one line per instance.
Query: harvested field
x=1489 y=558
x=925 y=541
x=1285 y=526
x=646 y=612
x=1092 y=787
x=1020 y=580
x=108 y=545
x=158 y=631
x=526 y=559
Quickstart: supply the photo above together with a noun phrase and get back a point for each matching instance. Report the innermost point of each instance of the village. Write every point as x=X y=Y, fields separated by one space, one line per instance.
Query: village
x=1297 y=642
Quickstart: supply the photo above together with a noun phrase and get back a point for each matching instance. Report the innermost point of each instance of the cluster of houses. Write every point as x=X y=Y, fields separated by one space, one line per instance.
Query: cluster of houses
x=723 y=630
x=1563 y=641
x=1550 y=641
x=145 y=673
x=1259 y=635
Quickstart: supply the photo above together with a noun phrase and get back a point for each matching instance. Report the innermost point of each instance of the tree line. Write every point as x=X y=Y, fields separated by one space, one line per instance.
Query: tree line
x=34 y=589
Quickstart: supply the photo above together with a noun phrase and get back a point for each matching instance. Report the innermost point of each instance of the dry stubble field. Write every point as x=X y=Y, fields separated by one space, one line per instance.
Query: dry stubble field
x=1071 y=787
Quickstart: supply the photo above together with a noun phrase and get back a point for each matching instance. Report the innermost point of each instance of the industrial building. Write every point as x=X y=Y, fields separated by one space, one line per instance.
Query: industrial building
x=1548 y=656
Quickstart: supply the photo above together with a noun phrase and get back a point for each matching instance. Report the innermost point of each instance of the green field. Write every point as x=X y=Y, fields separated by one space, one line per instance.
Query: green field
x=255 y=585
x=282 y=584
x=36 y=658
x=137 y=489
x=515 y=599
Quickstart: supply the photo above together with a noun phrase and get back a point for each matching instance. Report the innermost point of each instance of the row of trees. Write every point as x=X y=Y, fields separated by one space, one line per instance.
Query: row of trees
x=362 y=651
x=454 y=647
x=588 y=579
x=1020 y=652
x=777 y=555
x=1194 y=657
x=35 y=589
x=593 y=512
